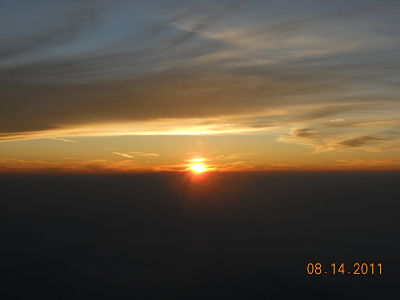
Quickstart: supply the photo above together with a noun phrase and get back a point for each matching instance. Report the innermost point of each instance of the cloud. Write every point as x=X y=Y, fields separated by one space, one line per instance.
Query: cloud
x=304 y=133
x=62 y=140
x=137 y=155
x=362 y=141
x=306 y=137
x=164 y=95
x=271 y=121
x=93 y=166
x=111 y=68
x=328 y=111
x=75 y=17
x=205 y=22
x=380 y=123
x=144 y=154
x=325 y=141
x=123 y=154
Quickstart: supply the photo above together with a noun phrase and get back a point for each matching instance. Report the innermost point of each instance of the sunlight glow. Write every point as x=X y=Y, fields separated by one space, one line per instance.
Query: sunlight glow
x=197 y=159
x=198 y=168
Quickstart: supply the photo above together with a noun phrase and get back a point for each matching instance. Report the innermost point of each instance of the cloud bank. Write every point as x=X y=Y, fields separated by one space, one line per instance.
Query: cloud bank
x=188 y=67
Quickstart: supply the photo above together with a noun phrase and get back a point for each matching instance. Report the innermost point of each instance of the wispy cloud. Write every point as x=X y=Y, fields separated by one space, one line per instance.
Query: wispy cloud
x=13 y=165
x=63 y=140
x=323 y=142
x=144 y=154
x=133 y=155
x=362 y=141
x=123 y=154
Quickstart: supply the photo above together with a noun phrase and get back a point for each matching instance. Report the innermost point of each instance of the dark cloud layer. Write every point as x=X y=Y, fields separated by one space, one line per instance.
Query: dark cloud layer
x=362 y=141
x=304 y=133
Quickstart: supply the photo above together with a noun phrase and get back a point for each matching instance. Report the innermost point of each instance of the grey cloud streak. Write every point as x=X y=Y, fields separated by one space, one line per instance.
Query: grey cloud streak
x=14 y=46
x=362 y=141
x=304 y=133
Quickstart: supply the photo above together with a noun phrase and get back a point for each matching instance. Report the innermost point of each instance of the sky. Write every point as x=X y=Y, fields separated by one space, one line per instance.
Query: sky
x=130 y=86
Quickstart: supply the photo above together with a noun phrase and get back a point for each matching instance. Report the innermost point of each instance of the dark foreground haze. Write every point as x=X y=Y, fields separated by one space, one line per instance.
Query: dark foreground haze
x=214 y=236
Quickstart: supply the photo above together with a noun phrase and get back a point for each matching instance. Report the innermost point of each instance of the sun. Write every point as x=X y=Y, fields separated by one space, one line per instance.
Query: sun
x=198 y=168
